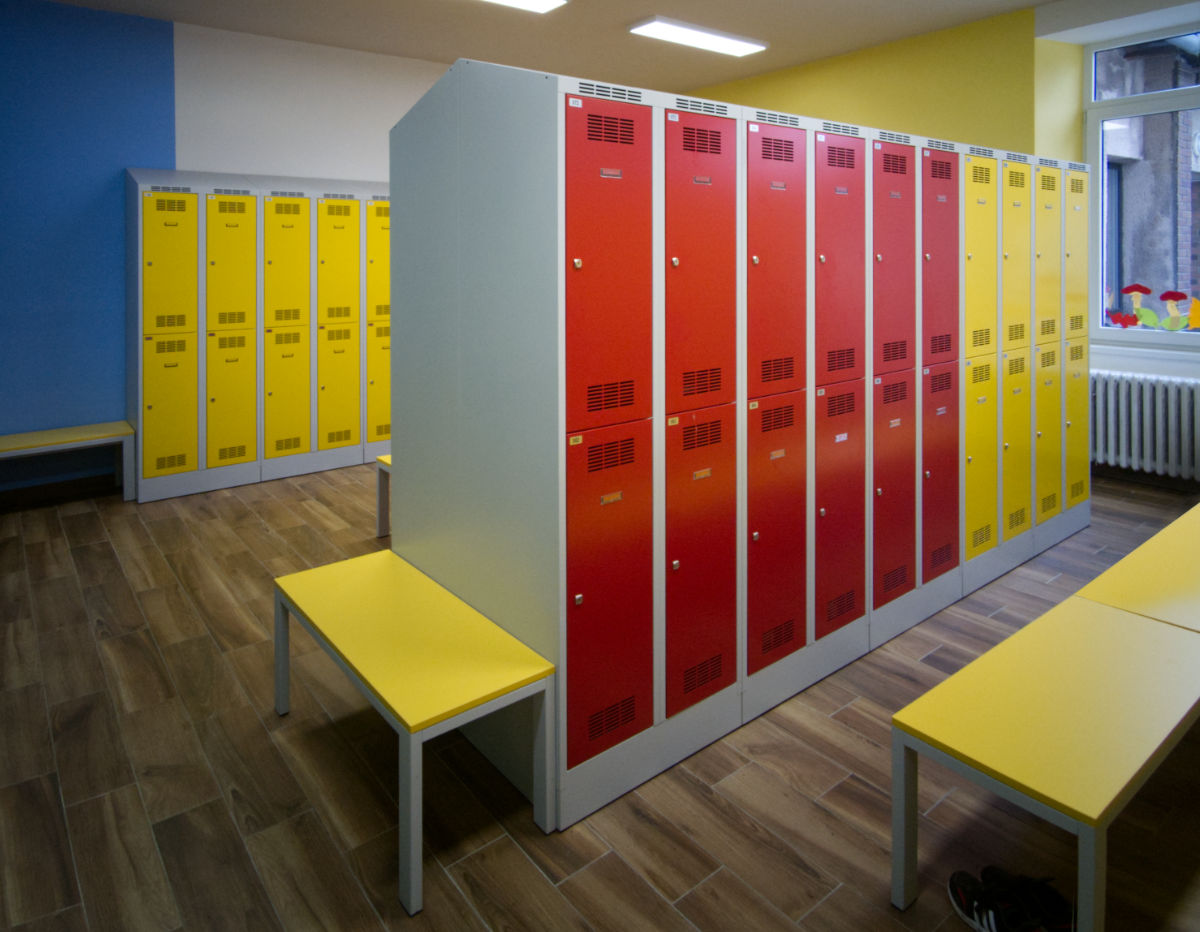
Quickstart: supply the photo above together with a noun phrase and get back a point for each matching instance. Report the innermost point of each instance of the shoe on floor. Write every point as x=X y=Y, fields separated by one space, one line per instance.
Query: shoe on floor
x=988 y=908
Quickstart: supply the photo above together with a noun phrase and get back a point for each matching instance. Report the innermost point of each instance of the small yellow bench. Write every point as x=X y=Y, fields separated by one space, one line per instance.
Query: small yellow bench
x=383 y=495
x=110 y=433
x=427 y=661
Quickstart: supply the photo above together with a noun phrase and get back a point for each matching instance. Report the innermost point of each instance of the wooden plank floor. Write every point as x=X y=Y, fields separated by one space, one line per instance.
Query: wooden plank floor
x=146 y=783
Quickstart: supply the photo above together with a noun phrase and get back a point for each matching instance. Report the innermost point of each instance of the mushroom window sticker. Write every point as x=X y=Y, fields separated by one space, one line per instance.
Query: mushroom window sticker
x=1144 y=316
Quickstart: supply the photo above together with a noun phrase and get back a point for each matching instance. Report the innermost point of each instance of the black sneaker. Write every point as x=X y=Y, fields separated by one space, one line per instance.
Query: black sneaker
x=1037 y=897
x=988 y=908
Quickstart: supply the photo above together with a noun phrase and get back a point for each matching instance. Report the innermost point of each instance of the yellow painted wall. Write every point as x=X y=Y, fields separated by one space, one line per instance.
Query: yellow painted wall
x=1058 y=81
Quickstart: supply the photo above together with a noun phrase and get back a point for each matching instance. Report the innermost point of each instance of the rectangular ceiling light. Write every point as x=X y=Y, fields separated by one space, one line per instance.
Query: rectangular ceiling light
x=533 y=6
x=671 y=30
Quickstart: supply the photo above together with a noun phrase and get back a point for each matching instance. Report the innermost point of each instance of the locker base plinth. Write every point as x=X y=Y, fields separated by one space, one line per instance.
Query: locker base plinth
x=996 y=562
x=281 y=467
x=1062 y=526
x=198 y=480
x=914 y=607
x=376 y=448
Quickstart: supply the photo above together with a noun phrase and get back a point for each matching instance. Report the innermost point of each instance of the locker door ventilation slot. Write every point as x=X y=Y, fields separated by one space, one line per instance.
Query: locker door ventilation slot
x=887 y=136
x=231 y=317
x=1049 y=502
x=895 y=578
x=940 y=343
x=895 y=392
x=385 y=331
x=839 y=157
x=342 y=310
x=334 y=336
x=840 y=359
x=982 y=373
x=231 y=453
x=170 y=346
x=231 y=207
x=701 y=106
x=281 y=208
x=1077 y=489
x=1049 y=183
x=839 y=404
x=610 y=454
x=606 y=395
x=174 y=461
x=778 y=370
x=779 y=119
x=337 y=210
x=1048 y=328
x=778 y=418
x=170 y=205
x=981 y=536
x=895 y=349
x=1048 y=359
x=981 y=337
x=610 y=91
x=781 y=634
x=285 y=338
x=1016 y=333
x=1016 y=366
x=839 y=605
x=702 y=673
x=981 y=174
x=894 y=164
x=941 y=382
x=286 y=313
x=698 y=139
x=1076 y=185
x=704 y=434
x=383 y=430
x=1017 y=518
x=1016 y=179
x=610 y=719
x=601 y=128
x=383 y=210
x=780 y=150
x=1076 y=353
x=1076 y=323
x=338 y=436
x=942 y=555
x=287 y=443
x=238 y=342
x=383 y=310
x=845 y=129
x=940 y=168
x=170 y=320
x=702 y=381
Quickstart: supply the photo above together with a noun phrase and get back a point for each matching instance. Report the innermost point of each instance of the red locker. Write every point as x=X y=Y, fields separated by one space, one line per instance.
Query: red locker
x=701 y=555
x=939 y=256
x=701 y=231
x=894 y=243
x=839 y=436
x=776 y=282
x=610 y=595
x=609 y=256
x=939 y=470
x=840 y=327
x=895 y=476
x=775 y=509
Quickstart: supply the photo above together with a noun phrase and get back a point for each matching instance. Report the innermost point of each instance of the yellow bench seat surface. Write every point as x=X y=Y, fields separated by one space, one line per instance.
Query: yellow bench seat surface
x=64 y=436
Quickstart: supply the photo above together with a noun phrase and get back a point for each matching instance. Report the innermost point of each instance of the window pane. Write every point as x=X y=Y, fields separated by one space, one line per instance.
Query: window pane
x=1149 y=66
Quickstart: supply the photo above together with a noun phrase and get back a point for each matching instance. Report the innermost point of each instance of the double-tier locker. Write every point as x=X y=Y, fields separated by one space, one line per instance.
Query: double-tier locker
x=169 y=403
x=839 y=436
x=287 y=384
x=339 y=256
x=1076 y=398
x=939 y=256
x=981 y=380
x=287 y=344
x=338 y=403
x=1047 y=254
x=231 y=388
x=839 y=238
x=1016 y=459
x=1017 y=194
x=378 y=361
x=980 y=272
x=894 y=529
x=939 y=470
x=1075 y=253
x=1047 y=435
x=893 y=244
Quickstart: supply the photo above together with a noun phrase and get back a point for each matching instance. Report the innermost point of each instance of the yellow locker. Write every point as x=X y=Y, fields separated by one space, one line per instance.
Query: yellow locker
x=1075 y=254
x=338 y=404
x=1016 y=461
x=979 y=231
x=287 y=255
x=1047 y=253
x=1077 y=393
x=232 y=426
x=170 y=240
x=230 y=257
x=170 y=437
x=379 y=283
x=981 y=484
x=1015 y=283
x=1047 y=435
x=287 y=405
x=379 y=381
x=338 y=253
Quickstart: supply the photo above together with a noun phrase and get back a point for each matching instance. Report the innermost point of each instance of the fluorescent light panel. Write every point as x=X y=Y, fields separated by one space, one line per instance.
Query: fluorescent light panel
x=671 y=30
x=533 y=6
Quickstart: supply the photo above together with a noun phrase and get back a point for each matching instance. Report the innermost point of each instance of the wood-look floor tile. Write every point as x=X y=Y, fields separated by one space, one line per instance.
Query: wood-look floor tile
x=16 y=602
x=146 y=568
x=725 y=901
x=156 y=511
x=126 y=532
x=322 y=517
x=231 y=624
x=254 y=666
x=456 y=823
x=95 y=562
x=864 y=806
x=508 y=891
x=329 y=685
x=39 y=524
x=137 y=676
x=70 y=663
x=37 y=872
x=58 y=603
x=202 y=676
x=215 y=536
x=88 y=747
x=82 y=528
x=715 y=762
x=765 y=743
x=825 y=696
x=250 y=583
x=20 y=664
x=12 y=555
x=845 y=911
x=48 y=559
x=269 y=549
x=113 y=608
x=25 y=747
x=120 y=874
x=887 y=679
x=312 y=546
x=211 y=874
x=169 y=613
x=73 y=919
x=168 y=762
x=610 y=895
x=171 y=534
x=75 y=506
x=278 y=515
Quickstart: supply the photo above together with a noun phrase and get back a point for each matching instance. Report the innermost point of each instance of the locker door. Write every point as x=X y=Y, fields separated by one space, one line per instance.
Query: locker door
x=338 y=405
x=894 y=235
x=338 y=260
x=170 y=237
x=939 y=256
x=776 y=286
x=1077 y=394
x=982 y=467
x=1016 y=459
x=379 y=381
x=1075 y=253
x=840 y=328
x=287 y=407
x=609 y=261
x=287 y=254
x=1047 y=254
x=610 y=593
x=231 y=380
x=894 y=533
x=840 y=441
x=701 y=555
x=231 y=251
x=980 y=203
x=1048 y=432
x=170 y=437
x=379 y=261
x=939 y=470
x=775 y=509
x=1016 y=196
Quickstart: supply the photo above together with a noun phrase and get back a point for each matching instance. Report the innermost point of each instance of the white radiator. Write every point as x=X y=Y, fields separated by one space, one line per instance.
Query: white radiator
x=1146 y=422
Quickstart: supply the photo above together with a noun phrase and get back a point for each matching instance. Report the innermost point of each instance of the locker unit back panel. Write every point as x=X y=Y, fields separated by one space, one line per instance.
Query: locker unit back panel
x=840 y=292
x=893 y=234
x=939 y=470
x=939 y=256
x=840 y=439
x=1016 y=450
x=981 y=380
x=980 y=270
x=1047 y=254
x=1047 y=432
x=894 y=476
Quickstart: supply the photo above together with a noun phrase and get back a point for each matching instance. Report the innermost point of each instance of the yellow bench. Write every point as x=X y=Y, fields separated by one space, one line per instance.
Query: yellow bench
x=111 y=433
x=383 y=495
x=426 y=660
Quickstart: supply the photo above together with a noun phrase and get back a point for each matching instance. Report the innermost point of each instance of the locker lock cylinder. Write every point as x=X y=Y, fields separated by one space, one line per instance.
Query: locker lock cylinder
x=579 y=599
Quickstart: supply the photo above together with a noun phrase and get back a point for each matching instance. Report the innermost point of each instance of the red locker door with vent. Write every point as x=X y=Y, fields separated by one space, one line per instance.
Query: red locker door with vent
x=701 y=208
x=775 y=500
x=839 y=436
x=939 y=255
x=840 y=204
x=894 y=533
x=776 y=286
x=894 y=265
x=610 y=645
x=939 y=470
x=609 y=255
x=701 y=555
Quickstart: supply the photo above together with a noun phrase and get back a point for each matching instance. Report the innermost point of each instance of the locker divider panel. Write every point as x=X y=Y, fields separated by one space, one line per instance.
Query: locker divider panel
x=939 y=256
x=980 y=268
x=894 y=528
x=840 y=446
x=939 y=470
x=893 y=231
x=1047 y=437
x=1016 y=452
x=840 y=286
x=981 y=378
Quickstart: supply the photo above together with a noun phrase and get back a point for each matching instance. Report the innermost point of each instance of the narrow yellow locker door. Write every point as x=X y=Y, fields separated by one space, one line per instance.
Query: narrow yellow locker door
x=1047 y=254
x=1016 y=456
x=170 y=239
x=229 y=267
x=379 y=282
x=979 y=232
x=170 y=436
x=1076 y=442
x=1015 y=280
x=287 y=405
x=338 y=405
x=379 y=381
x=338 y=254
x=287 y=261
x=1047 y=431
x=1075 y=253
x=982 y=469
x=230 y=371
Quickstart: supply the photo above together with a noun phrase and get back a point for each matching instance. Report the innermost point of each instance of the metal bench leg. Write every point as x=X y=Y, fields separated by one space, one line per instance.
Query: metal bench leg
x=383 y=501
x=543 y=760
x=129 y=469
x=410 y=797
x=1093 y=870
x=904 y=822
x=282 y=660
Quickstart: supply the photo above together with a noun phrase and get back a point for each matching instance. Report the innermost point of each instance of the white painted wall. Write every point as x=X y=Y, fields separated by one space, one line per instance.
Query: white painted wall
x=257 y=105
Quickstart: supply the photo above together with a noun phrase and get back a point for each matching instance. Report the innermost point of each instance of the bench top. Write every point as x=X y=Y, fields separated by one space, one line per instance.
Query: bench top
x=1075 y=710
x=64 y=436
x=384 y=460
x=423 y=652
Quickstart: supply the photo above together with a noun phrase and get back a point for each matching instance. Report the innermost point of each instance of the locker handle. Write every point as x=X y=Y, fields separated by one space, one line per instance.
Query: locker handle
x=1006 y=255
x=170 y=223
x=1068 y=423
x=969 y=459
x=1006 y=444
x=675 y=565
x=1039 y=435
x=579 y=599
x=970 y=255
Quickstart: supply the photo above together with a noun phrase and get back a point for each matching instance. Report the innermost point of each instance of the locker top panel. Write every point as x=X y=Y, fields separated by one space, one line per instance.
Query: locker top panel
x=167 y=180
